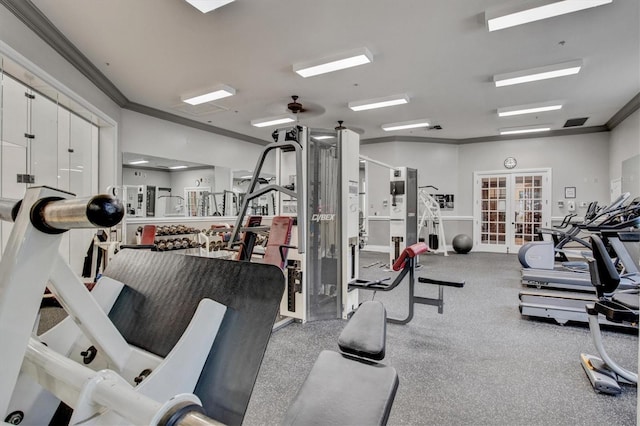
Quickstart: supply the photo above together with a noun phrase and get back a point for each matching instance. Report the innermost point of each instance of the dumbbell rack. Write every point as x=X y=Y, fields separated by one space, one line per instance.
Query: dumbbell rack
x=169 y=238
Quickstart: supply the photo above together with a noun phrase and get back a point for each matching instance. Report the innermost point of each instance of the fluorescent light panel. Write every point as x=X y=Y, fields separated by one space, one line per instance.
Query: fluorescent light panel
x=138 y=162
x=540 y=73
x=205 y=6
x=218 y=92
x=529 y=109
x=379 y=102
x=524 y=130
x=321 y=138
x=526 y=12
x=337 y=62
x=405 y=125
x=178 y=167
x=273 y=121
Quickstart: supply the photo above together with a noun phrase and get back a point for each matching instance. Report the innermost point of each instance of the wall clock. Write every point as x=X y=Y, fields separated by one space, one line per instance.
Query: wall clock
x=510 y=162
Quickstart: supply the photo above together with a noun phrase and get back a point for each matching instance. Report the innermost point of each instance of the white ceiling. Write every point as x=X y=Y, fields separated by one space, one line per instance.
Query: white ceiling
x=437 y=51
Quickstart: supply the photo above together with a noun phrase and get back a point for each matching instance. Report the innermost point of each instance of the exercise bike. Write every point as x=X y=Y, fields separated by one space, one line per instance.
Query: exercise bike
x=619 y=307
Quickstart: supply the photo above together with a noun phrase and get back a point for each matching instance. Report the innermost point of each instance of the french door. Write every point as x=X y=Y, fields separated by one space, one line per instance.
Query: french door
x=509 y=207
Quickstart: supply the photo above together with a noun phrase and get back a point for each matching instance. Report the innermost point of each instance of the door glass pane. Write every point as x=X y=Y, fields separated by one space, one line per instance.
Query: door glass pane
x=493 y=205
x=527 y=208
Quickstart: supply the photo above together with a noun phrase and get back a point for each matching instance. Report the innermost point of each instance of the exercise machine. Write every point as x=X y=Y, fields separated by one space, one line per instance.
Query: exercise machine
x=603 y=372
x=569 y=232
x=317 y=185
x=406 y=265
x=122 y=357
x=564 y=306
x=575 y=277
x=431 y=221
x=403 y=226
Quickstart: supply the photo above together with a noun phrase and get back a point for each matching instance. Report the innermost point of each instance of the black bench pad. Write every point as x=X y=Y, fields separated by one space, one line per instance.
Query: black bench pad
x=365 y=333
x=343 y=391
x=162 y=291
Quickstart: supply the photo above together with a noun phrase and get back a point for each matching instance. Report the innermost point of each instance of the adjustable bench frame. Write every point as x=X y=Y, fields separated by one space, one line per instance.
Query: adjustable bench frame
x=406 y=264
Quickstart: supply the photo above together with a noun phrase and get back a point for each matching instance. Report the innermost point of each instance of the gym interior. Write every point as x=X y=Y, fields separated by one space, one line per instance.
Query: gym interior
x=234 y=212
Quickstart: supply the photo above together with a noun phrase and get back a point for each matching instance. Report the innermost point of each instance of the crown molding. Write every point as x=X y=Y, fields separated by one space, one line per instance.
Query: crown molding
x=559 y=132
x=31 y=16
x=163 y=115
x=632 y=106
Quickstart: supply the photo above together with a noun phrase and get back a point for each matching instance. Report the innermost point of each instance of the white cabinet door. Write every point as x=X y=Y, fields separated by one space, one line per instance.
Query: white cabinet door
x=43 y=148
x=15 y=111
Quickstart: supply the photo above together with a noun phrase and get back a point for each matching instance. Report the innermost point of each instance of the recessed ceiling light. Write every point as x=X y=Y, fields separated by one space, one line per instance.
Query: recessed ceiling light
x=178 y=167
x=529 y=109
x=332 y=63
x=379 y=102
x=205 y=6
x=540 y=73
x=406 y=125
x=525 y=12
x=218 y=92
x=273 y=121
x=523 y=130
x=138 y=162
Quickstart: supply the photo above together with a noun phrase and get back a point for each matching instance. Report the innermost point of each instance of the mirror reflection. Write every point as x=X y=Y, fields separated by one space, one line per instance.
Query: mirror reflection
x=161 y=187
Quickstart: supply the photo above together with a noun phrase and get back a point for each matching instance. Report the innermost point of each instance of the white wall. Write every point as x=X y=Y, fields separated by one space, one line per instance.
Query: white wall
x=142 y=134
x=136 y=176
x=436 y=164
x=188 y=178
x=581 y=161
x=624 y=143
x=625 y=147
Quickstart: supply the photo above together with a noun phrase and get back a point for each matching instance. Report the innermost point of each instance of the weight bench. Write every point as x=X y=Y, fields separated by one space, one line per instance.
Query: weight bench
x=350 y=387
x=406 y=264
x=160 y=293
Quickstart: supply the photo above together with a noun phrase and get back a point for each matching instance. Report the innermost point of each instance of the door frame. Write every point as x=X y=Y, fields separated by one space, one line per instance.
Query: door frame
x=509 y=246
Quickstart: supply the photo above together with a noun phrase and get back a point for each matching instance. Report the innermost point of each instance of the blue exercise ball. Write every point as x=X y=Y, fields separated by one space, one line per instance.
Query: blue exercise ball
x=462 y=243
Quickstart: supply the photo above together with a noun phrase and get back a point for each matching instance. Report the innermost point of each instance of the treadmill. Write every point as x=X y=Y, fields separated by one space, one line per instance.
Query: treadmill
x=564 y=306
x=564 y=279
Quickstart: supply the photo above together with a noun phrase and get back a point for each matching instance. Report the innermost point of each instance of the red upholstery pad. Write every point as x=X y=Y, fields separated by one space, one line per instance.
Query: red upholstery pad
x=409 y=252
x=279 y=235
x=148 y=235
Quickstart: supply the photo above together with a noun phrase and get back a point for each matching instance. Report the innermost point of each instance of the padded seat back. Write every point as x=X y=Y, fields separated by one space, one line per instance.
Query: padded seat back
x=279 y=236
x=409 y=253
x=148 y=235
x=161 y=294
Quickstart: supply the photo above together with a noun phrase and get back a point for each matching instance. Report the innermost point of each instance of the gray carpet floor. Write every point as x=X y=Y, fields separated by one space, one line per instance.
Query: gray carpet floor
x=479 y=363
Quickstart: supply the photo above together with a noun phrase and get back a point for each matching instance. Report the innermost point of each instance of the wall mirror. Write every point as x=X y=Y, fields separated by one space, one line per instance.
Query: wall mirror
x=162 y=187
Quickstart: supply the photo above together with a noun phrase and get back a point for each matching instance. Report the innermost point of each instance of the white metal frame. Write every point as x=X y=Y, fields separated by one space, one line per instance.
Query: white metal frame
x=106 y=396
x=431 y=213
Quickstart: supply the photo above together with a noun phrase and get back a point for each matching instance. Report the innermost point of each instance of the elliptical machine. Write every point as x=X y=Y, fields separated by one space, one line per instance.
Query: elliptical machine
x=603 y=372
